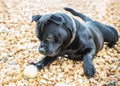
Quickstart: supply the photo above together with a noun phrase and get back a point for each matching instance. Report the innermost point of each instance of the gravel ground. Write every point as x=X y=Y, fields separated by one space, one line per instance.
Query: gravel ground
x=18 y=44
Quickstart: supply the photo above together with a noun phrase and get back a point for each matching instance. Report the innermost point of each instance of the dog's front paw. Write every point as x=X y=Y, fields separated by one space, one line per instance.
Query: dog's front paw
x=39 y=65
x=89 y=69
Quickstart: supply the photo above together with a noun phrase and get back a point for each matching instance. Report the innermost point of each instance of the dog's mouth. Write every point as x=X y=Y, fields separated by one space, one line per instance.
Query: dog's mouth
x=53 y=53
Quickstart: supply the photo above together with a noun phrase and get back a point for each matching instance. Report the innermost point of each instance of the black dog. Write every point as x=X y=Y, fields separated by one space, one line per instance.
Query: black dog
x=61 y=35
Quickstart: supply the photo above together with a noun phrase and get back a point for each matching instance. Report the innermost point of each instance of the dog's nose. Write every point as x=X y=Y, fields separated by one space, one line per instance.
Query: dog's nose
x=41 y=50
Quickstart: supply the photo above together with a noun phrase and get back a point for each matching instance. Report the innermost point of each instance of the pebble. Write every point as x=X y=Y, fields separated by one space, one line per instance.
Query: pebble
x=111 y=83
x=43 y=81
x=13 y=63
x=45 y=76
x=80 y=81
x=11 y=84
x=4 y=60
x=61 y=75
x=19 y=83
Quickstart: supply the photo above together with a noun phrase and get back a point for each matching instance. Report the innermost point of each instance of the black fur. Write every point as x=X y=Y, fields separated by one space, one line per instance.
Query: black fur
x=109 y=33
x=55 y=32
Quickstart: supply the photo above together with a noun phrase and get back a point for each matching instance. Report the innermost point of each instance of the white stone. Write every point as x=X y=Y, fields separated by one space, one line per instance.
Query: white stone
x=11 y=84
x=45 y=76
x=30 y=71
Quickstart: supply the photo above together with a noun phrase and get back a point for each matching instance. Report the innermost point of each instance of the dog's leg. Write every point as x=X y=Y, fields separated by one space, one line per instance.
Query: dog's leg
x=110 y=45
x=88 y=66
x=44 y=62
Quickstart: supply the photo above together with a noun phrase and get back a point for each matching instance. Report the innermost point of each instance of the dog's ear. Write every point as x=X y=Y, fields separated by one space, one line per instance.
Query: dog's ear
x=36 y=18
x=57 y=19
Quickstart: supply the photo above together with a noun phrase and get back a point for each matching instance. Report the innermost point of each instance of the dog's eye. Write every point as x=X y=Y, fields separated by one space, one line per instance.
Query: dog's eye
x=49 y=38
x=44 y=37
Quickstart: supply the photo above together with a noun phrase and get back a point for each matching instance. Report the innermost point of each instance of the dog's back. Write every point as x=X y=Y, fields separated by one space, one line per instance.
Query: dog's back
x=109 y=33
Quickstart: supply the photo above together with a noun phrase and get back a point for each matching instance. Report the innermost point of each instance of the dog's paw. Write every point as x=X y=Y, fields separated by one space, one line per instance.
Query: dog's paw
x=39 y=65
x=89 y=69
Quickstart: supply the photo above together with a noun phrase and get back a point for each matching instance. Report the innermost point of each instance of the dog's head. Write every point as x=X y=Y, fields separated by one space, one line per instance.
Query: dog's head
x=53 y=33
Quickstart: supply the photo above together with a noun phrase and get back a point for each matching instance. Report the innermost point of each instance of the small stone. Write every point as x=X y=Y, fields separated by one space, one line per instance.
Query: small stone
x=30 y=71
x=11 y=84
x=80 y=81
x=61 y=75
x=4 y=54
x=111 y=83
x=19 y=77
x=43 y=81
x=45 y=76
x=14 y=74
x=20 y=83
x=4 y=60
x=13 y=63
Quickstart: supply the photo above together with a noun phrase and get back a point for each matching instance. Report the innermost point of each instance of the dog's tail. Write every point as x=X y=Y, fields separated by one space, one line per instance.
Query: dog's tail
x=85 y=18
